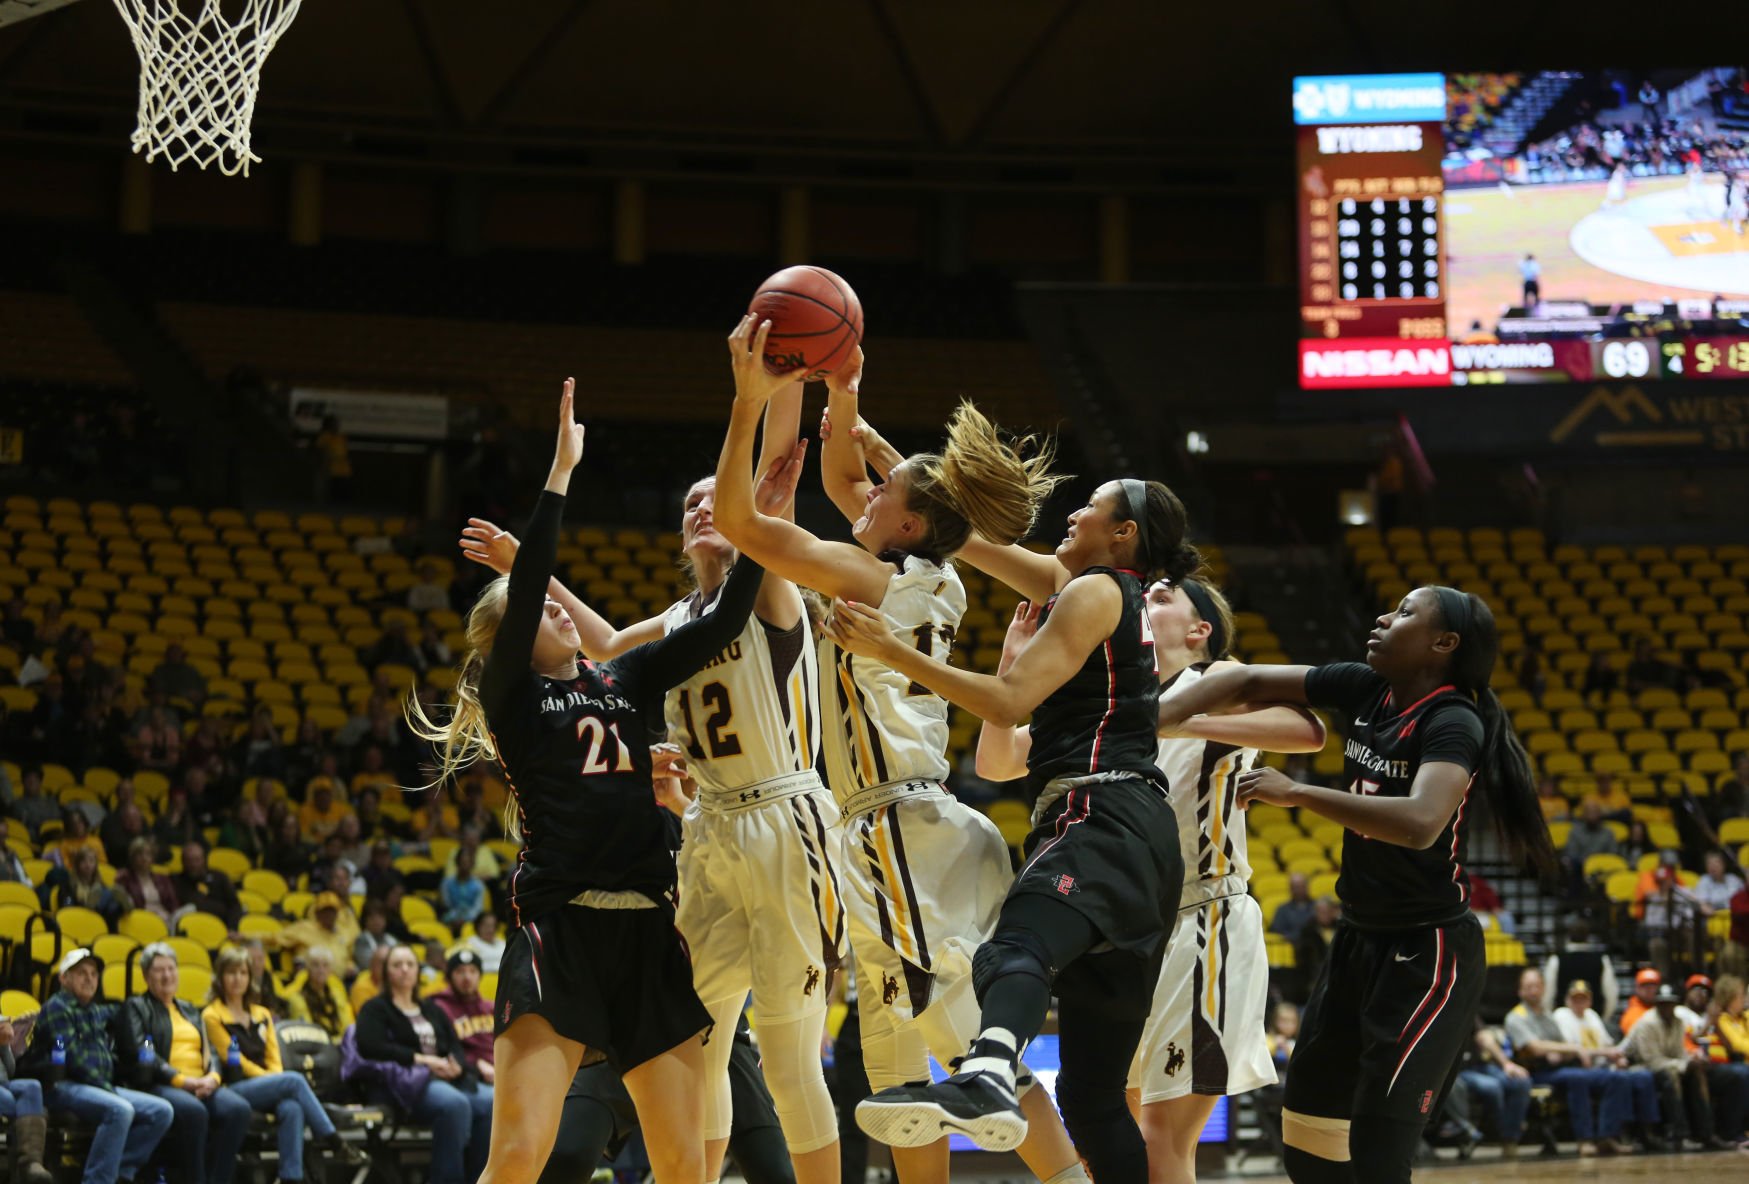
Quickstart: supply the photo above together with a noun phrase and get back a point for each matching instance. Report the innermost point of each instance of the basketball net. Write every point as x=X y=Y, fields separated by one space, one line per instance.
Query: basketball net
x=199 y=76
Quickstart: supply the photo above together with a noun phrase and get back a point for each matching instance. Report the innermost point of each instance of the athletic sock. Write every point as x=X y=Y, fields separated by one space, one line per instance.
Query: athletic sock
x=1074 y=1174
x=995 y=1051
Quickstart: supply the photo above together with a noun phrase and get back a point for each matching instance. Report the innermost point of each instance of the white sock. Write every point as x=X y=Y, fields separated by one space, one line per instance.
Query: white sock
x=994 y=1051
x=1074 y=1174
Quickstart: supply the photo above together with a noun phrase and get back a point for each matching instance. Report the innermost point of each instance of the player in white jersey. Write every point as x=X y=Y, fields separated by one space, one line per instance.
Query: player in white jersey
x=1204 y=1037
x=924 y=875
x=760 y=904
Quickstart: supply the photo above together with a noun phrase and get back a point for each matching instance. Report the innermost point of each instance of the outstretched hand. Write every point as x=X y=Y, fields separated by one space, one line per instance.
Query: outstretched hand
x=1020 y=634
x=1269 y=786
x=858 y=629
x=488 y=546
x=569 y=450
x=777 y=487
x=754 y=381
x=847 y=379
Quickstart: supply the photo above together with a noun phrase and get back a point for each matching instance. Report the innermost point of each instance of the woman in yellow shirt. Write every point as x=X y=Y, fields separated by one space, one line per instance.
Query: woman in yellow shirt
x=318 y=997
x=1733 y=1025
x=244 y=1041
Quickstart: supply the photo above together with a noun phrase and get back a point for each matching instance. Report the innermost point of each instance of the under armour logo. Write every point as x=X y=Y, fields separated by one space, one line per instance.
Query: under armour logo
x=1174 y=1059
x=751 y=795
x=812 y=980
x=889 y=988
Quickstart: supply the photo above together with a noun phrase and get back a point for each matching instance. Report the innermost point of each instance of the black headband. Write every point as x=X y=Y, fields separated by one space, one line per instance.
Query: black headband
x=1136 y=495
x=1205 y=608
x=1454 y=606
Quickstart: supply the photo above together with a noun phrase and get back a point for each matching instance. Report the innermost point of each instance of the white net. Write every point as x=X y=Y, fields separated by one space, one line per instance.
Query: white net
x=200 y=73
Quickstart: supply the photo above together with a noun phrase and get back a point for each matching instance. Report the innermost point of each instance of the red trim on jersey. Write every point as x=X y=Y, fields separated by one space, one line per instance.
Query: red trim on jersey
x=534 y=953
x=1456 y=826
x=1430 y=694
x=1110 y=706
x=1130 y=571
x=1450 y=982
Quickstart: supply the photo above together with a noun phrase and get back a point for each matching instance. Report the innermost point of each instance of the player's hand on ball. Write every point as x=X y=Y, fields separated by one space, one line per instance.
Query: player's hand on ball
x=847 y=379
x=570 y=447
x=1020 y=634
x=488 y=546
x=858 y=629
x=754 y=383
x=777 y=488
x=1270 y=786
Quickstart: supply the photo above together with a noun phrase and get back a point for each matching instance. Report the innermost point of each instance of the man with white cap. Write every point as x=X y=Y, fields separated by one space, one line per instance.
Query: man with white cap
x=72 y=1051
x=1582 y=1025
x=1657 y=1042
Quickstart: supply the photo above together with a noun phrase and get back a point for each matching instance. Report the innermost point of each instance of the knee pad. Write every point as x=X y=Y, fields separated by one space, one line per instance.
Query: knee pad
x=790 y=1056
x=1014 y=951
x=1318 y=1141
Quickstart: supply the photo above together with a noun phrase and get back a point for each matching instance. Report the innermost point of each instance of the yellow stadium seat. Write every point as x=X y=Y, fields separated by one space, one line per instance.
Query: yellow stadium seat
x=204 y=928
x=80 y=926
x=121 y=980
x=143 y=926
x=230 y=861
x=18 y=1004
x=1604 y=863
x=114 y=947
x=195 y=984
x=297 y=904
x=14 y=893
x=415 y=909
x=269 y=884
x=432 y=931
x=258 y=925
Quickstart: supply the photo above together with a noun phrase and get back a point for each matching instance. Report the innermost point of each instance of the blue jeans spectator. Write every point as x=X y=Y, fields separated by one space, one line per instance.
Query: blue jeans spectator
x=1502 y=1098
x=129 y=1125
x=21 y=1098
x=288 y=1097
x=1609 y=1088
x=461 y=1130
x=209 y=1133
x=1643 y=1093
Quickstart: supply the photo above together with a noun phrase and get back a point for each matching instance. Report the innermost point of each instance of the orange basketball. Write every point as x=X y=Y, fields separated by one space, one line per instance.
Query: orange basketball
x=816 y=320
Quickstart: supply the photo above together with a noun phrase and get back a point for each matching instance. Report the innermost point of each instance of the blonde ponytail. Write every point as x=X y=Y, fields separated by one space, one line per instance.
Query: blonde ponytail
x=980 y=481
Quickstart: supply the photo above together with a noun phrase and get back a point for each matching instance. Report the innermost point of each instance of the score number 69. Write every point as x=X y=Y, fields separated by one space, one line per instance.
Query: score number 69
x=1627 y=359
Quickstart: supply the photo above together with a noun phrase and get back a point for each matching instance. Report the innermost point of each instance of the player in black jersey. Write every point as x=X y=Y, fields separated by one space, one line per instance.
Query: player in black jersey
x=594 y=964
x=1395 y=1003
x=1091 y=907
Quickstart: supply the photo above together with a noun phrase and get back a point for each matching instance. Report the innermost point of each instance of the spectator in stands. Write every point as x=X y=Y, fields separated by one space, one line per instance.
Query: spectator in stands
x=177 y=824
x=1582 y=1025
x=1540 y=1047
x=470 y=1014
x=51 y=628
x=463 y=896
x=268 y=988
x=142 y=888
x=83 y=885
x=353 y=849
x=176 y=678
x=124 y=824
x=1647 y=671
x=1729 y=1019
x=1638 y=845
x=434 y=966
x=334 y=455
x=369 y=985
x=165 y=1049
x=322 y=811
x=1646 y=984
x=1295 y=913
x=204 y=752
x=1553 y=803
x=287 y=853
x=1657 y=1043
x=398 y=1026
x=260 y=753
x=1613 y=803
x=367 y=806
x=373 y=933
x=343 y=883
x=431 y=592
x=331 y=925
x=327 y=857
x=1730 y=799
x=235 y=1016
x=303 y=757
x=486 y=864
x=392 y=648
x=21 y=1103
x=381 y=873
x=486 y=942
x=1649 y=100
x=473 y=814
x=1313 y=945
x=1485 y=900
x=1674 y=919
x=129 y=1123
x=373 y=771
x=1500 y=1087
x=199 y=887
x=320 y=998
x=1588 y=836
x=434 y=652
x=1600 y=679
x=1727 y=1082
x=32 y=806
x=12 y=869
x=76 y=836
x=1715 y=889
x=247 y=826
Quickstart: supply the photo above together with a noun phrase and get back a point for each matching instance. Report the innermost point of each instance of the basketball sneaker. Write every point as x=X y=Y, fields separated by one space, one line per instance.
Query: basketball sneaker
x=978 y=1105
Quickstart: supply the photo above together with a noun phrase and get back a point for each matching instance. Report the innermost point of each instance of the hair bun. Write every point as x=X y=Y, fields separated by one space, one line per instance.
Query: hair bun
x=1183 y=562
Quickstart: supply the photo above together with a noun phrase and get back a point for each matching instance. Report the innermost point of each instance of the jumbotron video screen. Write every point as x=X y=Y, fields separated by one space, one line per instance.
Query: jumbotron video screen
x=1562 y=226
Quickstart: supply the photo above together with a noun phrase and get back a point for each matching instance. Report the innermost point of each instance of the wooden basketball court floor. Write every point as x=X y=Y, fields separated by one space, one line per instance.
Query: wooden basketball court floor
x=1713 y=1168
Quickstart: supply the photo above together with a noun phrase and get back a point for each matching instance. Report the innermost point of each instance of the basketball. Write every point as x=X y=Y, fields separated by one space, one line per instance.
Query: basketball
x=816 y=320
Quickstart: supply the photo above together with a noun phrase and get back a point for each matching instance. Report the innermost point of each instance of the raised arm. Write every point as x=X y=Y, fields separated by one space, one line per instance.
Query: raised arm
x=669 y=661
x=513 y=646
x=845 y=455
x=1034 y=576
x=1085 y=614
x=1268 y=727
x=1415 y=821
x=778 y=603
x=1002 y=752
x=792 y=553
x=1232 y=685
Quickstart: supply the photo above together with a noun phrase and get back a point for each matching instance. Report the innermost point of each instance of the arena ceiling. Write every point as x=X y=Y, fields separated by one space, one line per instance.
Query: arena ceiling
x=1176 y=84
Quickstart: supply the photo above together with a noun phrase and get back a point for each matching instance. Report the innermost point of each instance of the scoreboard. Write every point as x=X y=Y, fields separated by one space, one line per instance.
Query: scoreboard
x=1374 y=287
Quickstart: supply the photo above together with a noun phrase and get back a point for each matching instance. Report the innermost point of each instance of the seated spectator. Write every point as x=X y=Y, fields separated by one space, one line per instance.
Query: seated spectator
x=32 y=806
x=326 y=858
x=431 y=592
x=331 y=925
x=1588 y=836
x=21 y=1104
x=1600 y=679
x=1729 y=1019
x=468 y=1013
x=381 y=873
x=1730 y=798
x=247 y=826
x=353 y=847
x=303 y=757
x=321 y=812
x=260 y=753
x=1646 y=983
x=1715 y=889
x=1613 y=803
x=391 y=648
x=1295 y=913
x=373 y=933
x=1484 y=899
x=268 y=988
x=1581 y=1025
x=434 y=652
x=464 y=897
x=486 y=942
x=320 y=998
x=487 y=865
x=373 y=771
x=143 y=888
x=166 y=1052
x=287 y=853
x=367 y=805
x=1657 y=1043
x=1674 y=923
x=344 y=883
x=176 y=678
x=1554 y=804
x=197 y=885
x=83 y=885
x=1499 y=1087
x=12 y=868
x=157 y=743
x=1727 y=1082
x=73 y=1025
x=1638 y=845
x=205 y=750
x=177 y=824
x=1541 y=1048
x=75 y=836
x=433 y=969
x=1314 y=943
x=400 y=1027
x=369 y=984
x=235 y=1017
x=124 y=824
